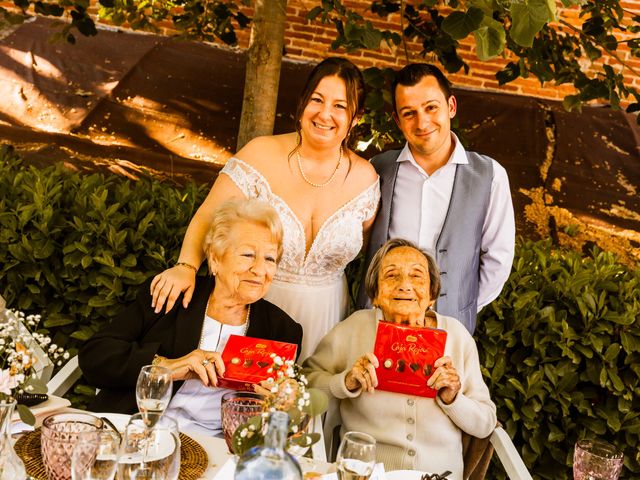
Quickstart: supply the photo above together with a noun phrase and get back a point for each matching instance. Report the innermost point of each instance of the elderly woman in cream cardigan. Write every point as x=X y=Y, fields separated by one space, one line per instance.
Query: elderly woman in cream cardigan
x=414 y=433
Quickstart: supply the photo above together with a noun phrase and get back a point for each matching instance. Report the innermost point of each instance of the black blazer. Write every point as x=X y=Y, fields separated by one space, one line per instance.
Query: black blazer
x=113 y=357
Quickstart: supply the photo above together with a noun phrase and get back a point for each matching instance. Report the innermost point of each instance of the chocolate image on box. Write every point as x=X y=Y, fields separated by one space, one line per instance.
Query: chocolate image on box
x=247 y=363
x=407 y=355
x=235 y=360
x=263 y=364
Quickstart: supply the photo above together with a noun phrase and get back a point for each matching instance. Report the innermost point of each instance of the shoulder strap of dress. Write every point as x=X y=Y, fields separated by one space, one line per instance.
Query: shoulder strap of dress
x=244 y=176
x=369 y=198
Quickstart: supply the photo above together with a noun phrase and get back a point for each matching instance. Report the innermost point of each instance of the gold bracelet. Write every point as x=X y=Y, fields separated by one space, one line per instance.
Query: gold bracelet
x=188 y=265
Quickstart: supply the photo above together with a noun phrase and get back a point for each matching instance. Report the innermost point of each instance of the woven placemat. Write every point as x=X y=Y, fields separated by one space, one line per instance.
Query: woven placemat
x=193 y=458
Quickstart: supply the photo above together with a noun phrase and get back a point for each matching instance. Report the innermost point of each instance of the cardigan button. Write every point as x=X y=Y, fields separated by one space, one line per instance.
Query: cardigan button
x=410 y=421
x=412 y=453
x=410 y=437
x=410 y=402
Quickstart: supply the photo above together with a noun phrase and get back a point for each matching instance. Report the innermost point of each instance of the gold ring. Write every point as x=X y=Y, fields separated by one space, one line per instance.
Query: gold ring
x=205 y=362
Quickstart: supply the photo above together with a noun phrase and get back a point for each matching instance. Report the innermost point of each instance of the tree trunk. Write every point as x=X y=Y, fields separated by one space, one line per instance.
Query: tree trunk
x=263 y=70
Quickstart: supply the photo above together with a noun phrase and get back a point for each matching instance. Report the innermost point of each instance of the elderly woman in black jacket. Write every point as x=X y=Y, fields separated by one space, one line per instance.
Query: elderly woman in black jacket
x=243 y=247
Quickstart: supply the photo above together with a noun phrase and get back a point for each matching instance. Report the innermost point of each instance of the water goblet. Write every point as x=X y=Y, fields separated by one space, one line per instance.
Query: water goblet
x=596 y=460
x=150 y=453
x=60 y=434
x=236 y=408
x=153 y=392
x=95 y=455
x=356 y=456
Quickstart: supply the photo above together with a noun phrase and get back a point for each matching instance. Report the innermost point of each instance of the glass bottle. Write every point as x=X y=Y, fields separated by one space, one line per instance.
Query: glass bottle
x=270 y=461
x=11 y=467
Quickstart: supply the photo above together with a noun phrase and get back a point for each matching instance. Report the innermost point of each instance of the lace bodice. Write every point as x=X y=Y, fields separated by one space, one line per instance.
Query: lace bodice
x=337 y=242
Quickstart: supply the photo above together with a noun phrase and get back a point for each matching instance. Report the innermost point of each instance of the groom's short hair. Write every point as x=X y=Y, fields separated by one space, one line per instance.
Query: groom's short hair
x=411 y=74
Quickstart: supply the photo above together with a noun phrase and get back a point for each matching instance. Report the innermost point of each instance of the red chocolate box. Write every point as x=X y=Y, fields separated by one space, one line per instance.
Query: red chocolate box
x=406 y=356
x=247 y=360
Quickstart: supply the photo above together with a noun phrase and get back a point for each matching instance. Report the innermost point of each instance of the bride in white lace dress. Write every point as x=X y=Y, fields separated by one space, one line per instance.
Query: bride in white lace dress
x=325 y=194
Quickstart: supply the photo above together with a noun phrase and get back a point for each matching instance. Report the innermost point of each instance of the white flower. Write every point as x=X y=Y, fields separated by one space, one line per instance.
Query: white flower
x=7 y=382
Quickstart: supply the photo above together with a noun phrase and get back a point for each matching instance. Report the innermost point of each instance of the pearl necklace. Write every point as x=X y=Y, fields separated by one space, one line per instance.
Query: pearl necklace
x=313 y=184
x=246 y=322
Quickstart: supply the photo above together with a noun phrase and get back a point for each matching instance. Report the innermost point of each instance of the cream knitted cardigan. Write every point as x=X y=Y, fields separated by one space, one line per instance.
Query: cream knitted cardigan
x=412 y=433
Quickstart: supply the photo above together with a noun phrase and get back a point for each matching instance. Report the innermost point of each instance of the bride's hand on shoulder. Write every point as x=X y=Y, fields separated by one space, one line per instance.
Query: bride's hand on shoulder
x=168 y=285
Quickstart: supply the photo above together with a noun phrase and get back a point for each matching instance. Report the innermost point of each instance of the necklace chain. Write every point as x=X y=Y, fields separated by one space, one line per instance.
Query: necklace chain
x=246 y=322
x=313 y=184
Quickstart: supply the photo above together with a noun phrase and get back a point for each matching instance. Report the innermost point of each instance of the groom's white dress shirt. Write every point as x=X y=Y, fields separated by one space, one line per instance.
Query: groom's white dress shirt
x=419 y=209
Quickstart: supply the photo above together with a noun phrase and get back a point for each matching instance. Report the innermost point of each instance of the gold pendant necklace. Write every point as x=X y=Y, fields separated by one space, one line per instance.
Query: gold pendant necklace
x=313 y=184
x=244 y=332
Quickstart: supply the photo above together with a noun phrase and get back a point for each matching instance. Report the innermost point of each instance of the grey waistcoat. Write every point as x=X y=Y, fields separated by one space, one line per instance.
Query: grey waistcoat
x=458 y=246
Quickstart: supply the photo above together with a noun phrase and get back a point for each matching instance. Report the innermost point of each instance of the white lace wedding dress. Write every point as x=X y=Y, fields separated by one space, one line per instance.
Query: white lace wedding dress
x=312 y=289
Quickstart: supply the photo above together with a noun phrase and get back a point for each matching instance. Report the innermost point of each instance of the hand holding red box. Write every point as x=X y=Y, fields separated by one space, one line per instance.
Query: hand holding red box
x=406 y=356
x=247 y=360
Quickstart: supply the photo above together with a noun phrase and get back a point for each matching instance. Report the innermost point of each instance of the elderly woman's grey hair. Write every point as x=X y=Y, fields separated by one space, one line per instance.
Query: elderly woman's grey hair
x=371 y=279
x=232 y=212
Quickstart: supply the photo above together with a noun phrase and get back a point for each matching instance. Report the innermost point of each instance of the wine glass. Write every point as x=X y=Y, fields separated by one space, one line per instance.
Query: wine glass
x=153 y=392
x=596 y=460
x=150 y=453
x=95 y=455
x=356 y=456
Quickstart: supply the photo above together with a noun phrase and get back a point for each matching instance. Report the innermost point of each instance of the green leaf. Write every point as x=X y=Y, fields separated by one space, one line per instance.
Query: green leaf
x=572 y=102
x=487 y=6
x=553 y=10
x=460 y=24
x=630 y=342
x=36 y=385
x=57 y=320
x=318 y=402
x=517 y=385
x=612 y=352
x=528 y=18
x=25 y=415
x=490 y=39
x=524 y=299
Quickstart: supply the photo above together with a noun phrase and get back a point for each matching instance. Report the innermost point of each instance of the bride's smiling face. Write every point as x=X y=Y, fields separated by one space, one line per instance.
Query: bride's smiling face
x=404 y=286
x=326 y=119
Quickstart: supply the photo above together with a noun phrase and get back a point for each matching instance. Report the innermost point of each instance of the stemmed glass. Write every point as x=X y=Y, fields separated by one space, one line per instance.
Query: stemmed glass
x=150 y=453
x=95 y=455
x=596 y=460
x=153 y=392
x=356 y=456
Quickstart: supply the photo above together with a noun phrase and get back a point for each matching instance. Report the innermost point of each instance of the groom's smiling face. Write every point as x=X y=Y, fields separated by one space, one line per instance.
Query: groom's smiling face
x=423 y=114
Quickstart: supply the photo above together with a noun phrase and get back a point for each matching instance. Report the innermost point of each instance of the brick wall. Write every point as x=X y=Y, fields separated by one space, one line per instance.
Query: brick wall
x=310 y=41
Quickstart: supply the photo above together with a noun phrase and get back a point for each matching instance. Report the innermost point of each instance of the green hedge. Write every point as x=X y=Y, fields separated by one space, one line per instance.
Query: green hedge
x=73 y=245
x=560 y=353
x=559 y=348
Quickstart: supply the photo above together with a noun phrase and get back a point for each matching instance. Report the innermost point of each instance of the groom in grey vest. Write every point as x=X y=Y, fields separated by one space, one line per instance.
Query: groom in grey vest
x=454 y=204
